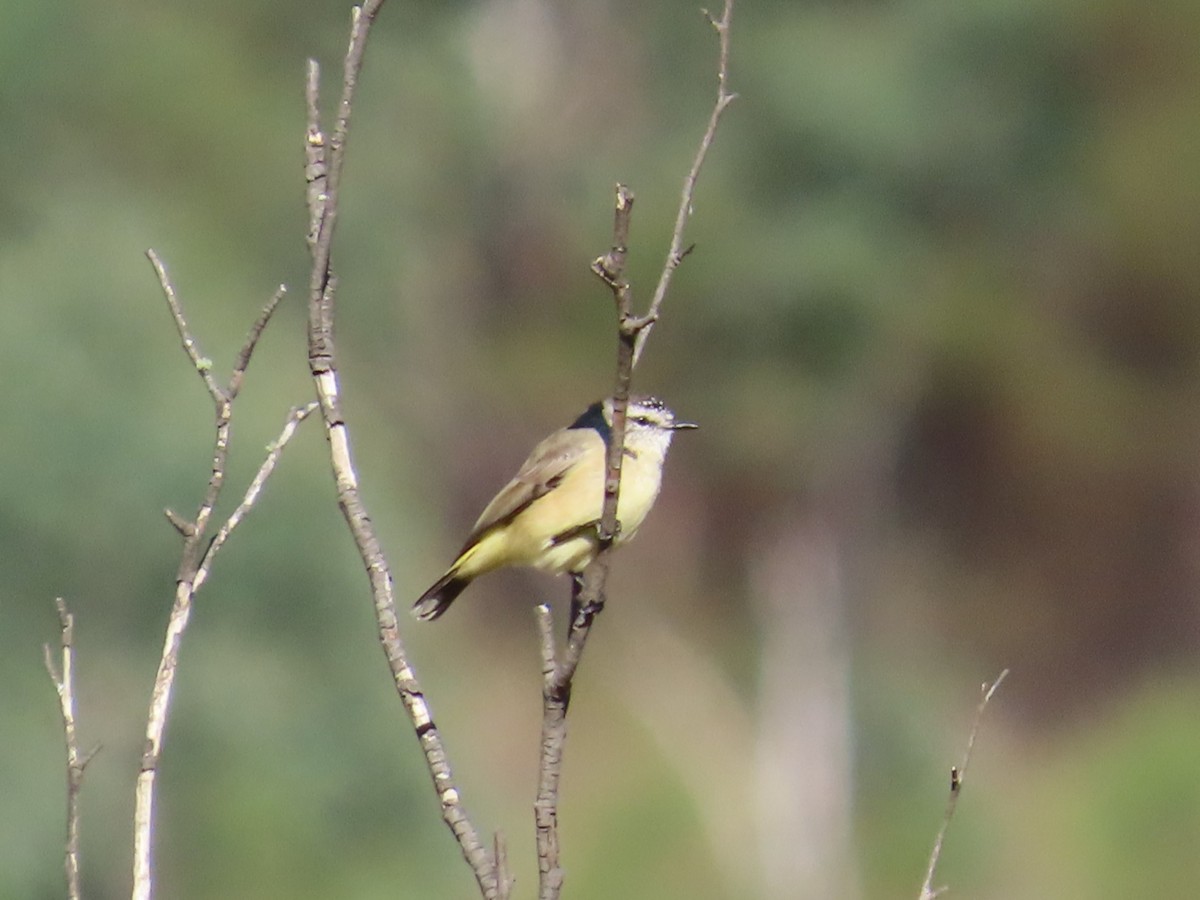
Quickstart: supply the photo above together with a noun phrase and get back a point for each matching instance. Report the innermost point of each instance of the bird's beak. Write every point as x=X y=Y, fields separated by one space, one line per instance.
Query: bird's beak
x=683 y=426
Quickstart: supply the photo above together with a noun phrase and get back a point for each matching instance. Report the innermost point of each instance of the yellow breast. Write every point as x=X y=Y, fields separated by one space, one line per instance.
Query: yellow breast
x=556 y=533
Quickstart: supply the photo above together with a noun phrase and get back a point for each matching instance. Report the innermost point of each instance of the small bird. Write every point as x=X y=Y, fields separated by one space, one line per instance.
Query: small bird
x=547 y=516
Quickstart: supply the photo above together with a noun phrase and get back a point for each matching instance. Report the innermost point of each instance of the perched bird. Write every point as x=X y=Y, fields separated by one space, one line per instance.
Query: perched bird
x=547 y=516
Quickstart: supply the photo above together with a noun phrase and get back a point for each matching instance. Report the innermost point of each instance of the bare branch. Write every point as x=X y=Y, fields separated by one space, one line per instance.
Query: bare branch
x=361 y=20
x=325 y=160
x=195 y=558
x=325 y=168
x=180 y=524
x=545 y=623
x=587 y=590
x=274 y=451
x=587 y=599
x=676 y=253
x=957 y=776
x=256 y=330
x=504 y=881
x=611 y=266
x=64 y=684
x=316 y=155
x=545 y=807
x=191 y=347
x=156 y=723
x=224 y=410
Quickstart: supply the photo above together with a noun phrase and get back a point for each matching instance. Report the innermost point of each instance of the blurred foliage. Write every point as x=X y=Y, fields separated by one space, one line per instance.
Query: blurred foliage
x=944 y=299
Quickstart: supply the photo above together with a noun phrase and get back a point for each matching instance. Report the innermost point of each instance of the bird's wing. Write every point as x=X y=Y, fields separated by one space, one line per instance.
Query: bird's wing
x=541 y=473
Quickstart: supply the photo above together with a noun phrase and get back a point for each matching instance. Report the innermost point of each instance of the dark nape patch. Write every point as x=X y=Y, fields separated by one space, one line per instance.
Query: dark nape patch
x=593 y=417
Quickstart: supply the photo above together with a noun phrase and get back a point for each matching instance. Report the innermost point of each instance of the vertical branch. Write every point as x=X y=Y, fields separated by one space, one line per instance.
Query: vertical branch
x=156 y=723
x=587 y=590
x=958 y=775
x=554 y=724
x=587 y=599
x=196 y=556
x=193 y=534
x=504 y=880
x=64 y=683
x=324 y=162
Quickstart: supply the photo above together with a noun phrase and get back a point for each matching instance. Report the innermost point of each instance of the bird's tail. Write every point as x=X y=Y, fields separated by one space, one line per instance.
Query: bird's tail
x=438 y=598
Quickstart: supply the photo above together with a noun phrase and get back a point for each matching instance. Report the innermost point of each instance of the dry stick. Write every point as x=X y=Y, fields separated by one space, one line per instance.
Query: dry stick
x=504 y=880
x=588 y=590
x=958 y=775
x=64 y=683
x=554 y=727
x=677 y=252
x=197 y=556
x=587 y=598
x=323 y=173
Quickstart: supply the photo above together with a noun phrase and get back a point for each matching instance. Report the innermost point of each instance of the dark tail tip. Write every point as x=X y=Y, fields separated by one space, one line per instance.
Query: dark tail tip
x=438 y=598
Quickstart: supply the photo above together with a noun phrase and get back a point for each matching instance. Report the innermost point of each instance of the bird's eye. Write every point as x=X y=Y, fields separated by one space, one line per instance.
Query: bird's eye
x=641 y=420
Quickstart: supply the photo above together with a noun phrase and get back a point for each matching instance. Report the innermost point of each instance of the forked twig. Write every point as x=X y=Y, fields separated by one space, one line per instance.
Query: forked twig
x=958 y=775
x=588 y=590
x=197 y=555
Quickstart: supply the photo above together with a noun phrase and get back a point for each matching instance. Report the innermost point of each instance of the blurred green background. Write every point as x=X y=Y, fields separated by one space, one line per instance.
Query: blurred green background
x=940 y=329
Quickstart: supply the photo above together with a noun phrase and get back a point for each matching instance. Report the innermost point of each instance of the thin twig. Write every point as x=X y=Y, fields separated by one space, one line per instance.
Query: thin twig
x=201 y=362
x=362 y=18
x=274 y=450
x=324 y=162
x=316 y=153
x=224 y=410
x=958 y=775
x=195 y=558
x=589 y=589
x=64 y=683
x=256 y=330
x=677 y=251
